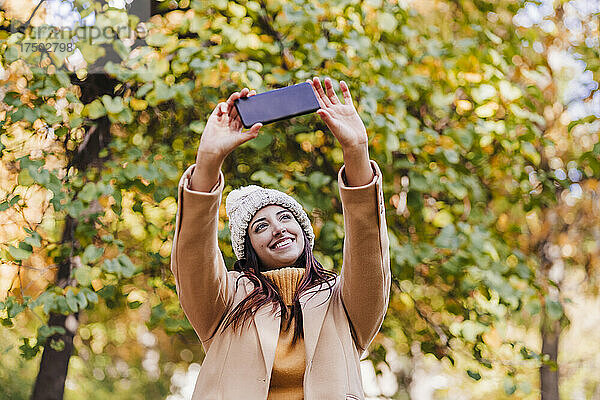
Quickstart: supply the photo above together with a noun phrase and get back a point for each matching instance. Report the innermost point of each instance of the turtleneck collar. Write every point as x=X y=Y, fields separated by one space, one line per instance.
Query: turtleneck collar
x=287 y=281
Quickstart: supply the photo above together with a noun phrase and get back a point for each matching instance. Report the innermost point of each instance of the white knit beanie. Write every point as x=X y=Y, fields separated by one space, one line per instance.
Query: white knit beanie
x=242 y=203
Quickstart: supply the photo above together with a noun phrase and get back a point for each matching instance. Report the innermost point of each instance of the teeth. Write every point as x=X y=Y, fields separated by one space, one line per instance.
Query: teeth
x=286 y=241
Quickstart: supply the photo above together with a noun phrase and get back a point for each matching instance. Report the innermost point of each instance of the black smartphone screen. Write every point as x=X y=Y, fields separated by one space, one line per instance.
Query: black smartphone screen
x=276 y=105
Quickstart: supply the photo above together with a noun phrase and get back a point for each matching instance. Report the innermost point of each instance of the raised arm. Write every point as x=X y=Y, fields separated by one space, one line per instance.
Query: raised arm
x=365 y=279
x=196 y=260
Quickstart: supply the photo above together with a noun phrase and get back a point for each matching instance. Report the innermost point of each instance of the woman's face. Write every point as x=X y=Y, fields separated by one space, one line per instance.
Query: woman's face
x=276 y=236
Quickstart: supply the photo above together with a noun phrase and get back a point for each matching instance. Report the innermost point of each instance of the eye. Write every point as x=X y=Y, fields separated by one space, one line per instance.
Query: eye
x=286 y=215
x=259 y=227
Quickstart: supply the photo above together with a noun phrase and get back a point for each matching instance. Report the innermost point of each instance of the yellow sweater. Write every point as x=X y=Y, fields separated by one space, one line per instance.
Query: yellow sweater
x=288 y=368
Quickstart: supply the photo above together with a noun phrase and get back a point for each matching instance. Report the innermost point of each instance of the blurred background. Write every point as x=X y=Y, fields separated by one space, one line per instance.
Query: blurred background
x=482 y=115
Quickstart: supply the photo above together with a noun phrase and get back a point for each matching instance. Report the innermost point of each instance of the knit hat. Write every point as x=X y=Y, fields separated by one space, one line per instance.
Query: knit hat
x=242 y=203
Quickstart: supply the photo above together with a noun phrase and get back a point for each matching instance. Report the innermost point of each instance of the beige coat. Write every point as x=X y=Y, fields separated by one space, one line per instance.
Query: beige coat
x=337 y=329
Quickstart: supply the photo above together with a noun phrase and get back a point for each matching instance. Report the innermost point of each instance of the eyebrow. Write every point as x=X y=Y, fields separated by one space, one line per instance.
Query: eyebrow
x=263 y=218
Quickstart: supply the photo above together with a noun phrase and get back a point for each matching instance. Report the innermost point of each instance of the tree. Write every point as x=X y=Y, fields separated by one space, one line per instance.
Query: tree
x=456 y=114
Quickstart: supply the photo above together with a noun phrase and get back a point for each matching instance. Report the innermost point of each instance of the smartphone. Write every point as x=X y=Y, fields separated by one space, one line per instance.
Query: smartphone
x=276 y=105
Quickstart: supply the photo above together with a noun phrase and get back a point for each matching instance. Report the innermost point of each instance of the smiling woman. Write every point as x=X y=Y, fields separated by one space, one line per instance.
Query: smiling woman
x=276 y=237
x=279 y=325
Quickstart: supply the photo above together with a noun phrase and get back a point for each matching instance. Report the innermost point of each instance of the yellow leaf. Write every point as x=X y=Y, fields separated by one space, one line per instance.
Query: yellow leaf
x=462 y=106
x=236 y=9
x=487 y=110
x=509 y=91
x=387 y=21
x=471 y=77
x=442 y=218
x=138 y=104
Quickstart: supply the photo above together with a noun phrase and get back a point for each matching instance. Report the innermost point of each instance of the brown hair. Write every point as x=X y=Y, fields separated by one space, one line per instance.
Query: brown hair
x=266 y=292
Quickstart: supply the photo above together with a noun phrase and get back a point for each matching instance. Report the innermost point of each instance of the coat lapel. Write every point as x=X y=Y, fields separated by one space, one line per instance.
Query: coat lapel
x=268 y=326
x=314 y=304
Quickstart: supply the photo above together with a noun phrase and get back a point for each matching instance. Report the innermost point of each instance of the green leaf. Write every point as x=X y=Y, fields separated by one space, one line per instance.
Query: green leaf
x=197 y=126
x=134 y=304
x=14 y=200
x=34 y=240
x=11 y=54
x=90 y=295
x=121 y=49
x=13 y=308
x=265 y=178
x=474 y=374
x=447 y=237
x=157 y=314
x=19 y=253
x=91 y=254
x=554 y=309
x=24 y=178
x=125 y=116
x=509 y=386
x=95 y=109
x=128 y=268
x=83 y=275
x=57 y=344
x=318 y=179
x=89 y=192
x=72 y=301
x=82 y=301
x=112 y=105
x=121 y=266
x=261 y=142
x=157 y=39
x=28 y=352
x=13 y=99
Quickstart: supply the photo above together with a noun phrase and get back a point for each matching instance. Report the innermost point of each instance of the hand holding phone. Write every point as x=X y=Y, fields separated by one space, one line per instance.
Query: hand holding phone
x=276 y=105
x=342 y=119
x=223 y=130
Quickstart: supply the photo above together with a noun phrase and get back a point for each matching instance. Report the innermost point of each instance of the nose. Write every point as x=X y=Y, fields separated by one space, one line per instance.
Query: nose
x=279 y=229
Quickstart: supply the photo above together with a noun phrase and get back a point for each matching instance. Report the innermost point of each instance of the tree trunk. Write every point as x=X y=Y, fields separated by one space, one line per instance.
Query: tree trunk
x=549 y=371
x=50 y=382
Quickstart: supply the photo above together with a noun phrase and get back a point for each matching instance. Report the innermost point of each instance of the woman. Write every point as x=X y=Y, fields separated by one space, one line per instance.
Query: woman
x=280 y=326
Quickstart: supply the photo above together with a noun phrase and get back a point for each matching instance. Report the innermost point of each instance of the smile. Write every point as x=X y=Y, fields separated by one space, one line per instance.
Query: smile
x=283 y=244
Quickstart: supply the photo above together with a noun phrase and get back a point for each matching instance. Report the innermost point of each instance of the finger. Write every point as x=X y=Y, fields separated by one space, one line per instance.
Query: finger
x=236 y=124
x=255 y=128
x=234 y=96
x=244 y=92
x=330 y=92
x=346 y=93
x=321 y=92
x=224 y=116
x=251 y=133
x=325 y=116
x=321 y=104
x=233 y=113
x=220 y=109
x=216 y=110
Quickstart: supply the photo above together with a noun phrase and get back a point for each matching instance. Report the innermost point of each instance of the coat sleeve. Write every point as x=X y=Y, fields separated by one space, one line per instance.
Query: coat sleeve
x=365 y=277
x=196 y=262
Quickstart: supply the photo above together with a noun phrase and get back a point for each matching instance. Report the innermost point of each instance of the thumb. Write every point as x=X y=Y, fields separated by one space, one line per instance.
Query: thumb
x=325 y=116
x=250 y=133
